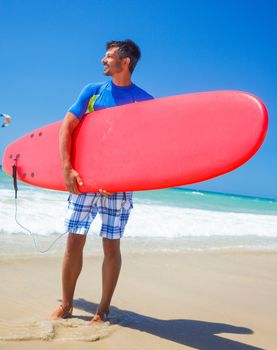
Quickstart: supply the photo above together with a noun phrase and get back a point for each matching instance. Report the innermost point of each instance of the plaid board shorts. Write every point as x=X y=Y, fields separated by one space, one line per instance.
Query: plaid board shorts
x=114 y=211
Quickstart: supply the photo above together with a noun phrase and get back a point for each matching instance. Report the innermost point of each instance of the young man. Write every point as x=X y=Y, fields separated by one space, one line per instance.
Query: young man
x=114 y=208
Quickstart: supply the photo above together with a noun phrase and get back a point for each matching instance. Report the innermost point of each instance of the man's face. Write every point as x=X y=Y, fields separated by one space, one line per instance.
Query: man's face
x=112 y=62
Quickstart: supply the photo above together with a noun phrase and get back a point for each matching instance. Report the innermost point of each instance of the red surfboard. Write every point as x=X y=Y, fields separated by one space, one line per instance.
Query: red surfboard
x=154 y=144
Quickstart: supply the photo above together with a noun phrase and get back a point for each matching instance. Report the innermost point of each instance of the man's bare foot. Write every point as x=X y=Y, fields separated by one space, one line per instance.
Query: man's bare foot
x=61 y=312
x=99 y=317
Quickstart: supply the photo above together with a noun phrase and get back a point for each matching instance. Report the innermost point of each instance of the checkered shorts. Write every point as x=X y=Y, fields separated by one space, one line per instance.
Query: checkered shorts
x=114 y=211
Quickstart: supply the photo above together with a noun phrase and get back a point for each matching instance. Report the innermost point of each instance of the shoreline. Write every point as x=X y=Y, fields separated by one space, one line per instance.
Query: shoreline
x=21 y=246
x=202 y=300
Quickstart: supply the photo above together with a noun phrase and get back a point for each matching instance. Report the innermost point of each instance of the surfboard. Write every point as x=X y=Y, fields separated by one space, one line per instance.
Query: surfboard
x=154 y=144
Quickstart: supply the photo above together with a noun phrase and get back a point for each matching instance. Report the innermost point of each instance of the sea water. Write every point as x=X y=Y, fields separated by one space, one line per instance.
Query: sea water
x=170 y=220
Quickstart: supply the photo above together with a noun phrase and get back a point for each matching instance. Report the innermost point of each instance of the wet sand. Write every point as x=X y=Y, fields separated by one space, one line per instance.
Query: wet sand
x=162 y=301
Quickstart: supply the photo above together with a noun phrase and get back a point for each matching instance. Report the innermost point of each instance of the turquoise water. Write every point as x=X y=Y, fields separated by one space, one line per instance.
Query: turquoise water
x=183 y=197
x=177 y=219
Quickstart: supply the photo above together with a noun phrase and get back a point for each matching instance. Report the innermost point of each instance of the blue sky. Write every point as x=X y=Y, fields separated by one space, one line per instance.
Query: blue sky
x=50 y=49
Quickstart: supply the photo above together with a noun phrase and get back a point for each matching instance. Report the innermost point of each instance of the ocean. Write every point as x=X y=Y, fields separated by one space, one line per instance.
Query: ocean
x=170 y=220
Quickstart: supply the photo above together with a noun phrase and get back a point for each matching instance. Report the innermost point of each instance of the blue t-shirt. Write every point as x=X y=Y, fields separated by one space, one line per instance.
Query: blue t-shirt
x=97 y=96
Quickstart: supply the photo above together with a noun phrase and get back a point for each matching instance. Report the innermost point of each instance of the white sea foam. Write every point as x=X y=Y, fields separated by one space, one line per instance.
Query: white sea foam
x=172 y=222
x=43 y=213
x=59 y=330
x=39 y=211
x=197 y=193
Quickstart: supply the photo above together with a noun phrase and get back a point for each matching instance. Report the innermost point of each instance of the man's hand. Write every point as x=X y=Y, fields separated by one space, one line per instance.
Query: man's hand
x=72 y=180
x=105 y=193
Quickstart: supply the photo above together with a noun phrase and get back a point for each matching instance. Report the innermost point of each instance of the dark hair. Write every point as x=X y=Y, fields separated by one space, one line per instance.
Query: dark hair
x=126 y=48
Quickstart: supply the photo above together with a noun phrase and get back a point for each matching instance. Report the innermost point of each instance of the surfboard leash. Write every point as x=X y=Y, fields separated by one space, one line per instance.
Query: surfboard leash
x=31 y=234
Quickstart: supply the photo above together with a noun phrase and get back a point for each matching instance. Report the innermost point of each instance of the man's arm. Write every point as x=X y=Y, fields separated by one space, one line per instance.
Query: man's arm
x=71 y=177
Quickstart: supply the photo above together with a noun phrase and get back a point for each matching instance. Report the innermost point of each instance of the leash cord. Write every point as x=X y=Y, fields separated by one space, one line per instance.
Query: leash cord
x=14 y=174
x=33 y=236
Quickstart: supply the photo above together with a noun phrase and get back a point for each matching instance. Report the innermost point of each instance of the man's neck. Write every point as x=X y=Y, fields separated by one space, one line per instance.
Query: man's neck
x=122 y=80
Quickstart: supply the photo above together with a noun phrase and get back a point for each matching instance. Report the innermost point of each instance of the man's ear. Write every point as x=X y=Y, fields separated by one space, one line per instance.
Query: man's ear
x=127 y=61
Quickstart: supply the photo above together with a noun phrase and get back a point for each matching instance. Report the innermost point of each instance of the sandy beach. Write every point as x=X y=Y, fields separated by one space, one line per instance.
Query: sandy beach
x=163 y=301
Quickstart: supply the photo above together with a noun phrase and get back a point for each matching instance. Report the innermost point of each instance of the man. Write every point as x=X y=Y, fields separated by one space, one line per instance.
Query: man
x=114 y=208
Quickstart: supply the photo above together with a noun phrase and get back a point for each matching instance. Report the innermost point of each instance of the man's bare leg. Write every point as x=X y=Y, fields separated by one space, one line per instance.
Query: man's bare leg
x=110 y=272
x=72 y=266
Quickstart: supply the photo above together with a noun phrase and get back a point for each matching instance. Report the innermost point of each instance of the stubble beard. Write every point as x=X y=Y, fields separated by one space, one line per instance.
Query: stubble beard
x=117 y=68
